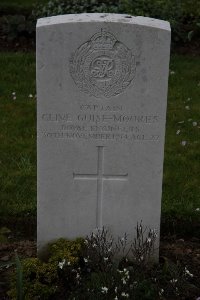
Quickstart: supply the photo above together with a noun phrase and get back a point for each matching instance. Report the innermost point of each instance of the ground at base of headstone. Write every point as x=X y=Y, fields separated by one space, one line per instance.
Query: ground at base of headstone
x=176 y=276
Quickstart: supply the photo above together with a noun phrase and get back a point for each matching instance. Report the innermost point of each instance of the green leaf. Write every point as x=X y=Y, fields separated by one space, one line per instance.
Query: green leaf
x=19 y=278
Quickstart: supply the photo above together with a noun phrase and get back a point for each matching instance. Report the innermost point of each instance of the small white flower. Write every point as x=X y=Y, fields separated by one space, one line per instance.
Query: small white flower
x=173 y=280
x=189 y=120
x=123 y=280
x=125 y=275
x=181 y=122
x=178 y=131
x=161 y=292
x=85 y=260
x=155 y=234
x=105 y=258
x=188 y=99
x=197 y=209
x=77 y=276
x=116 y=289
x=94 y=245
x=183 y=143
x=61 y=264
x=187 y=107
x=194 y=123
x=68 y=263
x=149 y=240
x=104 y=290
x=13 y=93
x=116 y=298
x=125 y=295
x=30 y=96
x=86 y=242
x=14 y=97
x=187 y=272
x=172 y=72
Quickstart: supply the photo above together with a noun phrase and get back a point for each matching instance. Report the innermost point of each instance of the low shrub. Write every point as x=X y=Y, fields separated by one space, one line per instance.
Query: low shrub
x=58 y=7
x=100 y=268
x=42 y=279
x=16 y=26
x=182 y=16
x=39 y=278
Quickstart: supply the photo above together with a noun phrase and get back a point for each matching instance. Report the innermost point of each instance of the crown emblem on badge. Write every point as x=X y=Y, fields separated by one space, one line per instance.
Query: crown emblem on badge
x=103 y=40
x=102 y=66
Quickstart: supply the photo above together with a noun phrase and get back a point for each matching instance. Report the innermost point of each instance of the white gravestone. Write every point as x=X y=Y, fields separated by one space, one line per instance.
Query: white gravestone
x=102 y=94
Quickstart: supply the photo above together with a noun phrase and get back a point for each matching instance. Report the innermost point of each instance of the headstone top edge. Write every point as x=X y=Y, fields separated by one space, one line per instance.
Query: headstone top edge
x=104 y=18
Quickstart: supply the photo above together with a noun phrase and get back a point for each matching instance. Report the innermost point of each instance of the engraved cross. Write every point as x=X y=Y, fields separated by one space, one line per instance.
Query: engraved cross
x=100 y=177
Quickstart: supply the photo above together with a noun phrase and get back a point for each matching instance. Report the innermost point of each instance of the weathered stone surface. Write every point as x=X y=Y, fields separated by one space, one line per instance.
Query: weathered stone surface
x=102 y=94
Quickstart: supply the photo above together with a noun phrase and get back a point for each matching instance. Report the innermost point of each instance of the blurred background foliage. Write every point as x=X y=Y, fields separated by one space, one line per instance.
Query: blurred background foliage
x=18 y=17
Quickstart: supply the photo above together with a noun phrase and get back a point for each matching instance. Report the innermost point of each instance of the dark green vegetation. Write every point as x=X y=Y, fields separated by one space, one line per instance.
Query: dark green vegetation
x=181 y=189
x=184 y=16
x=18 y=6
x=42 y=279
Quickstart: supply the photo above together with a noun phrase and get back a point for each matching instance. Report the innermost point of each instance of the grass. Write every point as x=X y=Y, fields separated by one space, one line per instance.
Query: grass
x=17 y=135
x=181 y=188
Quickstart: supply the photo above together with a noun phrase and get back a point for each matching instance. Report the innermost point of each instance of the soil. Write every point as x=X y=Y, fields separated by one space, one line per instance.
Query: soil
x=173 y=250
x=24 y=249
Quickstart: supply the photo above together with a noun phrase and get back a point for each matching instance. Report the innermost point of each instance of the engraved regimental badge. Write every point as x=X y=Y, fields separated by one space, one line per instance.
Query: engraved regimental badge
x=103 y=66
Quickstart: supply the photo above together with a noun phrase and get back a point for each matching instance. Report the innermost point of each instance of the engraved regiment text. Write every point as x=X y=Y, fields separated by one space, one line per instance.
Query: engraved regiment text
x=96 y=122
